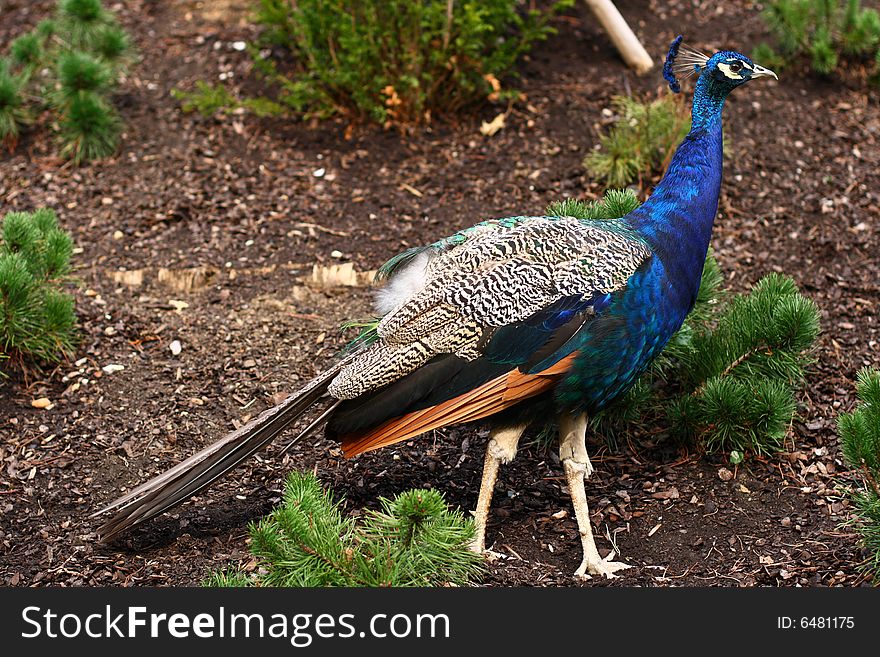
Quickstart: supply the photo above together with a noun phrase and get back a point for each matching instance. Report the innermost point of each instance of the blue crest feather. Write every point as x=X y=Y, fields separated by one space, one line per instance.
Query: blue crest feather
x=668 y=73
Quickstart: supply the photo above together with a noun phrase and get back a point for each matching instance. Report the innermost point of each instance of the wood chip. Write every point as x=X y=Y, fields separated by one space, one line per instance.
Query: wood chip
x=489 y=128
x=412 y=190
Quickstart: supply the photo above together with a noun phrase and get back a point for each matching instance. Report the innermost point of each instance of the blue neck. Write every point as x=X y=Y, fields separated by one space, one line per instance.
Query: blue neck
x=677 y=219
x=708 y=103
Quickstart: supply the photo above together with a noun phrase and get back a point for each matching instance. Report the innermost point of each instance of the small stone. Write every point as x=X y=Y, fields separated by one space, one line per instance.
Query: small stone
x=336 y=254
x=118 y=235
x=785 y=522
x=724 y=474
x=43 y=402
x=110 y=369
x=671 y=494
x=319 y=173
x=249 y=363
x=175 y=347
x=109 y=331
x=239 y=45
x=178 y=305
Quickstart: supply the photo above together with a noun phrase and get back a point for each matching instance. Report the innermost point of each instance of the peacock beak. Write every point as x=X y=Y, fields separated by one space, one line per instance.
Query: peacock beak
x=761 y=72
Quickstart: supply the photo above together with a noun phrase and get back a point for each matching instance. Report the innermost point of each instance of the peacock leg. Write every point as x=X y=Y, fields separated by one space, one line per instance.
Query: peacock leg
x=573 y=453
x=500 y=449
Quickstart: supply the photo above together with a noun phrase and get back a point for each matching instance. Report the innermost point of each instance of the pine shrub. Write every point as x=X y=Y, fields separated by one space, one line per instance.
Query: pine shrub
x=88 y=128
x=390 y=61
x=413 y=540
x=727 y=379
x=71 y=64
x=13 y=113
x=860 y=441
x=823 y=32
x=37 y=322
x=641 y=141
x=27 y=50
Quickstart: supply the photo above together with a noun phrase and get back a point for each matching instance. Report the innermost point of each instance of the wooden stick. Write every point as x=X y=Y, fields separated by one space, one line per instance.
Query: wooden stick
x=622 y=36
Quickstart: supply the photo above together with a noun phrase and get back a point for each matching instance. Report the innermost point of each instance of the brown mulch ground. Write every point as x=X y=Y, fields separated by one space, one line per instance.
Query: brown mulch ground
x=242 y=199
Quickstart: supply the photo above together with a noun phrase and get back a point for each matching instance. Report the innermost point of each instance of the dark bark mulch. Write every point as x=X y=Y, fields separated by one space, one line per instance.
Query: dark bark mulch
x=244 y=200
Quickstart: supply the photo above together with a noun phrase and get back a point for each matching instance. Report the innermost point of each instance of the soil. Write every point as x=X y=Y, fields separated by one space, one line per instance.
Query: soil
x=203 y=230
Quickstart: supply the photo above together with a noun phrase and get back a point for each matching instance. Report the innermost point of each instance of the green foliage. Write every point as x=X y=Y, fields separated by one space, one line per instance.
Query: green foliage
x=768 y=57
x=860 y=430
x=27 y=50
x=68 y=65
x=860 y=440
x=13 y=113
x=413 y=540
x=391 y=61
x=207 y=99
x=89 y=128
x=615 y=204
x=80 y=72
x=37 y=322
x=726 y=379
x=111 y=43
x=641 y=141
x=824 y=32
x=81 y=20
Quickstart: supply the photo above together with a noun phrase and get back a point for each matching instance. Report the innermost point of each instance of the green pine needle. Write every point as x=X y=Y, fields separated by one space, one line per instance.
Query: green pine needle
x=413 y=540
x=86 y=11
x=860 y=430
x=615 y=204
x=768 y=57
x=860 y=440
x=824 y=57
x=37 y=320
x=46 y=28
x=207 y=99
x=111 y=43
x=89 y=129
x=641 y=141
x=27 y=50
x=79 y=54
x=825 y=32
x=13 y=114
x=82 y=20
x=79 y=72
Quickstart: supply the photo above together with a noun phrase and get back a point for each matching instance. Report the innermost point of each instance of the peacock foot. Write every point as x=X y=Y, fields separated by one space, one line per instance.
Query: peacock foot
x=604 y=567
x=588 y=467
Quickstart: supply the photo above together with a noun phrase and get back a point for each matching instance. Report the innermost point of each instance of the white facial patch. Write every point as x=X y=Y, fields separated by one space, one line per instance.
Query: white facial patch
x=730 y=73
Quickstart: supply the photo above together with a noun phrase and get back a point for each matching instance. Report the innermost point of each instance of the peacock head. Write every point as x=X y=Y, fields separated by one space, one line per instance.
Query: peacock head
x=722 y=72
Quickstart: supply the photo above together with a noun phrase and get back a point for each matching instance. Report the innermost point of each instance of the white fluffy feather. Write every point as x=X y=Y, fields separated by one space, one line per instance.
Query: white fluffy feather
x=400 y=287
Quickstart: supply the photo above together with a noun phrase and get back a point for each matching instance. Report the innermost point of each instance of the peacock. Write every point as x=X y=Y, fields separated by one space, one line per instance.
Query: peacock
x=517 y=320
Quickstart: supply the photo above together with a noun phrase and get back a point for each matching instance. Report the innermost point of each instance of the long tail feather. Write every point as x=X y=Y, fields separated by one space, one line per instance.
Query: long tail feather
x=196 y=473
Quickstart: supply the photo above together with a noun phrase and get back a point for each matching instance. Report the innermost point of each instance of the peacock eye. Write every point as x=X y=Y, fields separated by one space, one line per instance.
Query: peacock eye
x=736 y=67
